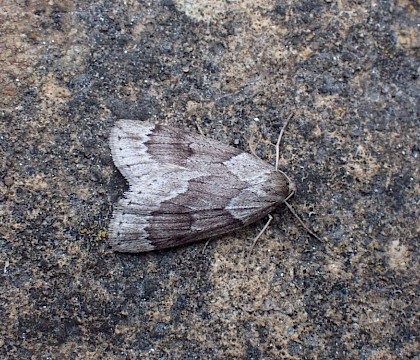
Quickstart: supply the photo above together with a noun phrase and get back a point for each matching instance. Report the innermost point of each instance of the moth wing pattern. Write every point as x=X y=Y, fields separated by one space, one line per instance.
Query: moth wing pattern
x=138 y=147
x=184 y=187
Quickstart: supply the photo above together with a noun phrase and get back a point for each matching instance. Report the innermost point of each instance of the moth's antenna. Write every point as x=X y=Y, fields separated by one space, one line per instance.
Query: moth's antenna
x=290 y=182
x=278 y=141
x=310 y=232
x=270 y=217
x=292 y=192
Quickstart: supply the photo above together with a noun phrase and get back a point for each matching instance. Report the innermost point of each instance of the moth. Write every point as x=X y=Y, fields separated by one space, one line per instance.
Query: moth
x=185 y=187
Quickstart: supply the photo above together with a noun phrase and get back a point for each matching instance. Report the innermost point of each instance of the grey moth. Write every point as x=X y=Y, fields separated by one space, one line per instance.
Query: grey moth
x=185 y=187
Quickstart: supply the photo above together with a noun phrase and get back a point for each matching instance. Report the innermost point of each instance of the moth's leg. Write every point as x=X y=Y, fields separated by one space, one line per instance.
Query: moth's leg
x=205 y=245
x=200 y=130
x=270 y=218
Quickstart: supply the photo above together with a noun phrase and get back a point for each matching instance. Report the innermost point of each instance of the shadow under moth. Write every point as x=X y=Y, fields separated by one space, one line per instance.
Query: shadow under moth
x=185 y=187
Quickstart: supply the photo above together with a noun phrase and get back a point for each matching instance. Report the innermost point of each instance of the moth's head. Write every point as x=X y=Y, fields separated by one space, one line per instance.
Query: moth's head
x=292 y=187
x=287 y=183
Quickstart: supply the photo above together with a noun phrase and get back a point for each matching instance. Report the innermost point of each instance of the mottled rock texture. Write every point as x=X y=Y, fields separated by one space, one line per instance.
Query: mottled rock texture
x=347 y=70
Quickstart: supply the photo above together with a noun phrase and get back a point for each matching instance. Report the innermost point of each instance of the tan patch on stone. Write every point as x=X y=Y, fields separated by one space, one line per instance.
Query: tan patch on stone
x=398 y=254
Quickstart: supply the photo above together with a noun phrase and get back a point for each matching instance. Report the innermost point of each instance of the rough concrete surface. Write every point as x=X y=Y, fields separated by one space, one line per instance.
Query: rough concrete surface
x=347 y=70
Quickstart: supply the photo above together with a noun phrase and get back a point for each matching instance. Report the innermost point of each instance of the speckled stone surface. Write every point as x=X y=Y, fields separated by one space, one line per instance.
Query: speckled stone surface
x=347 y=70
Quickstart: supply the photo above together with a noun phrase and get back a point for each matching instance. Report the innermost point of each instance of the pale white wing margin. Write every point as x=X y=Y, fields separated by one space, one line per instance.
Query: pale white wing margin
x=129 y=151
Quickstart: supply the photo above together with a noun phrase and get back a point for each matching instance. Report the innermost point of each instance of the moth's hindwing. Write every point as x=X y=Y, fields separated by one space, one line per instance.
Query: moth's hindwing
x=184 y=187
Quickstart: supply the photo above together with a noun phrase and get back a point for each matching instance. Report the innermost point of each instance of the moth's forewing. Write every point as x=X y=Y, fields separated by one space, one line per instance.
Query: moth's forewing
x=185 y=187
